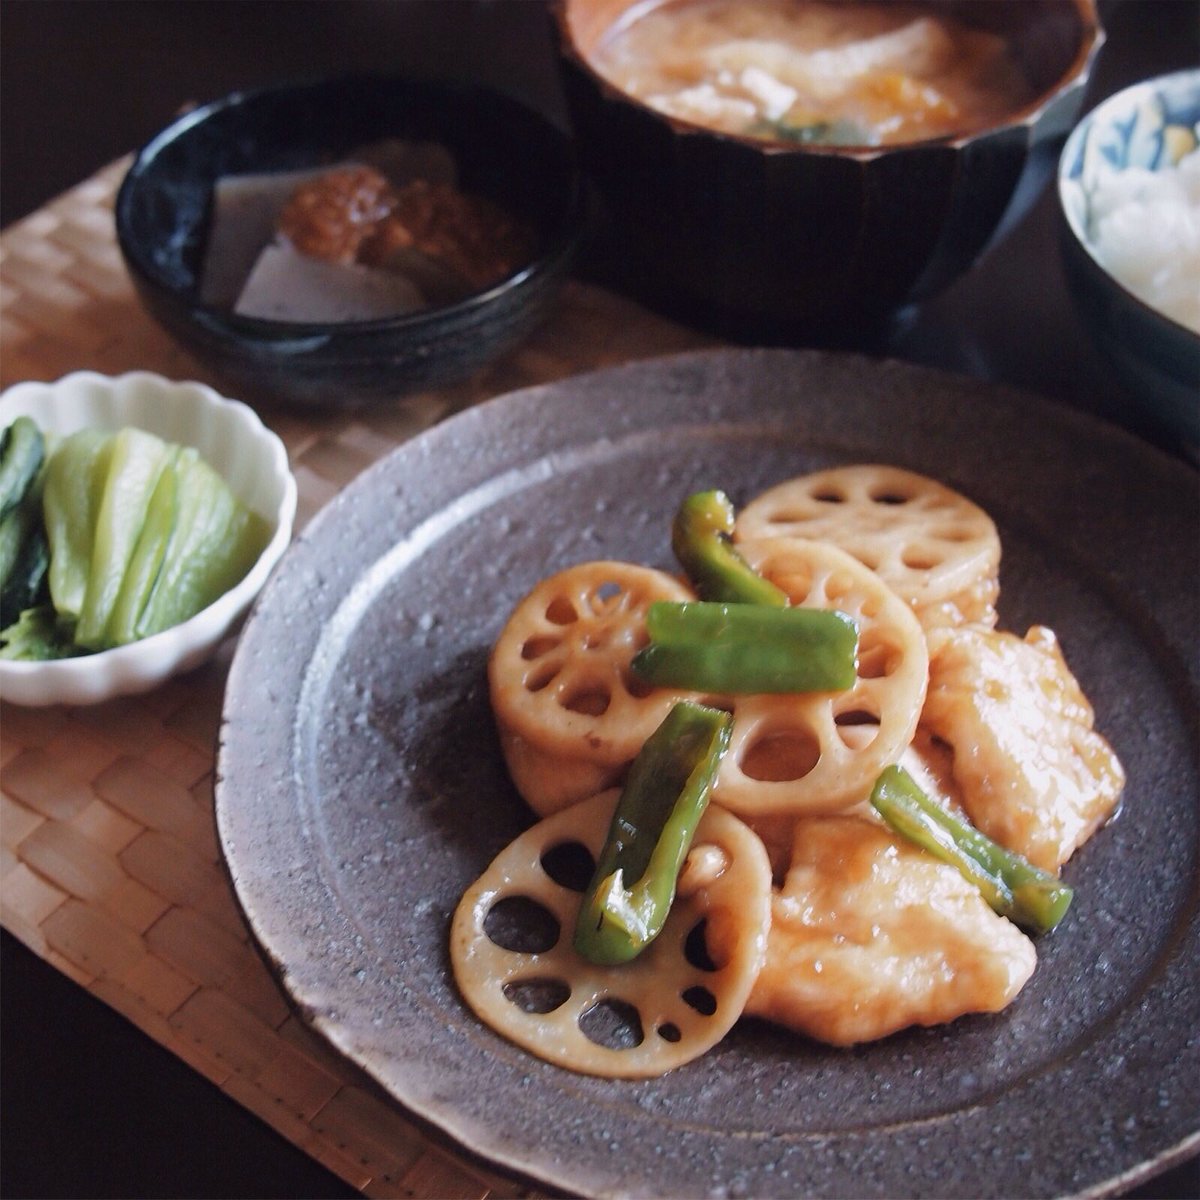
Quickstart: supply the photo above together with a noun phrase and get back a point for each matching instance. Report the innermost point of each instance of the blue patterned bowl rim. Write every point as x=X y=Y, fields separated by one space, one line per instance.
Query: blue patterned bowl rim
x=1151 y=125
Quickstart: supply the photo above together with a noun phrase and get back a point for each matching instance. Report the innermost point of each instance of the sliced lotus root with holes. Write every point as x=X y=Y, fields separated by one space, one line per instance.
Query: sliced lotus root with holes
x=821 y=752
x=870 y=934
x=571 y=715
x=777 y=831
x=934 y=547
x=1033 y=773
x=515 y=965
x=927 y=760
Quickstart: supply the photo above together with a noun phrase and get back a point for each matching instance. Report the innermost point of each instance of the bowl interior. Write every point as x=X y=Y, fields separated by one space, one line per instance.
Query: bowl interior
x=1150 y=126
x=1156 y=355
x=1051 y=41
x=164 y=208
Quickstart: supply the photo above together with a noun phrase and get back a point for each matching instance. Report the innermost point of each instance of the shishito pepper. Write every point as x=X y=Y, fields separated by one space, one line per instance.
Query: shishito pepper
x=740 y=649
x=701 y=536
x=633 y=887
x=1030 y=897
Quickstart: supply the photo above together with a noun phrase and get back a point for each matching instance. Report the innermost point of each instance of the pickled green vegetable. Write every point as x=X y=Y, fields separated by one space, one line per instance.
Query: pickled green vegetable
x=215 y=541
x=74 y=487
x=37 y=636
x=25 y=584
x=15 y=529
x=145 y=562
x=22 y=450
x=142 y=535
x=136 y=460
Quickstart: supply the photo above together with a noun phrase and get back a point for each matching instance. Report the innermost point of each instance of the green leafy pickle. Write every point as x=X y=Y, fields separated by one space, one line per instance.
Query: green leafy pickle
x=136 y=461
x=37 y=636
x=22 y=452
x=215 y=541
x=146 y=560
x=74 y=488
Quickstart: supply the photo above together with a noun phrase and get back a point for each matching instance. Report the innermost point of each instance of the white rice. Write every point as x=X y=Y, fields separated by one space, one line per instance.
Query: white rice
x=1145 y=230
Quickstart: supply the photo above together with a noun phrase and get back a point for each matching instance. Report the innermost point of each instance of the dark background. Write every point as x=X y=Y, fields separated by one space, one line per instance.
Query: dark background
x=90 y=1106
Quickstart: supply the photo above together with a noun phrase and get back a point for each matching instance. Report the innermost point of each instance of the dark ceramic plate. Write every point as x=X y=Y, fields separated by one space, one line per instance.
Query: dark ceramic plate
x=361 y=790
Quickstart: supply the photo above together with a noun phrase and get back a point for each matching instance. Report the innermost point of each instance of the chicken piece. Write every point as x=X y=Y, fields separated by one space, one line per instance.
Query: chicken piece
x=870 y=934
x=931 y=765
x=1033 y=773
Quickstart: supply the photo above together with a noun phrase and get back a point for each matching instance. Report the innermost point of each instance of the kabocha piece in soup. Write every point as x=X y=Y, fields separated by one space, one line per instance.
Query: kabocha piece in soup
x=572 y=716
x=870 y=934
x=1033 y=772
x=814 y=73
x=931 y=545
x=642 y=1018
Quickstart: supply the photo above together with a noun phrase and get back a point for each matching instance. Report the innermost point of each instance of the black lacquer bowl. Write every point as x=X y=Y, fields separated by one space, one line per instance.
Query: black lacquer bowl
x=770 y=241
x=503 y=151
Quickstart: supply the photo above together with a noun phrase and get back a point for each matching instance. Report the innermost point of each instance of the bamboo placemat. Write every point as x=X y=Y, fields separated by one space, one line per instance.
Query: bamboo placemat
x=109 y=863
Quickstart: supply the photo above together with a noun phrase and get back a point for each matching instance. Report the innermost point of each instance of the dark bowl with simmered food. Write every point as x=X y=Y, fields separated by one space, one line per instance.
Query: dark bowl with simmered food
x=344 y=242
x=800 y=172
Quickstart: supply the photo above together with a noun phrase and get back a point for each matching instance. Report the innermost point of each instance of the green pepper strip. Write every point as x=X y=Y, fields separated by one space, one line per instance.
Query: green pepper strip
x=700 y=538
x=1032 y=898
x=740 y=649
x=633 y=887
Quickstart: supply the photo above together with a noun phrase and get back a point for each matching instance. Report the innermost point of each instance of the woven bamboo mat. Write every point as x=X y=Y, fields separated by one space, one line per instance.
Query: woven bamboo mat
x=109 y=862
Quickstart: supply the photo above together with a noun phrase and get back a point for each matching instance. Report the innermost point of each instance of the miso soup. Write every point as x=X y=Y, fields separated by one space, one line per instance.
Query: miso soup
x=813 y=72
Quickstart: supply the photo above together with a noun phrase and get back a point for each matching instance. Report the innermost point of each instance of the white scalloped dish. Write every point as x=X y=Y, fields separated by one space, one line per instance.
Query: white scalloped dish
x=230 y=436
